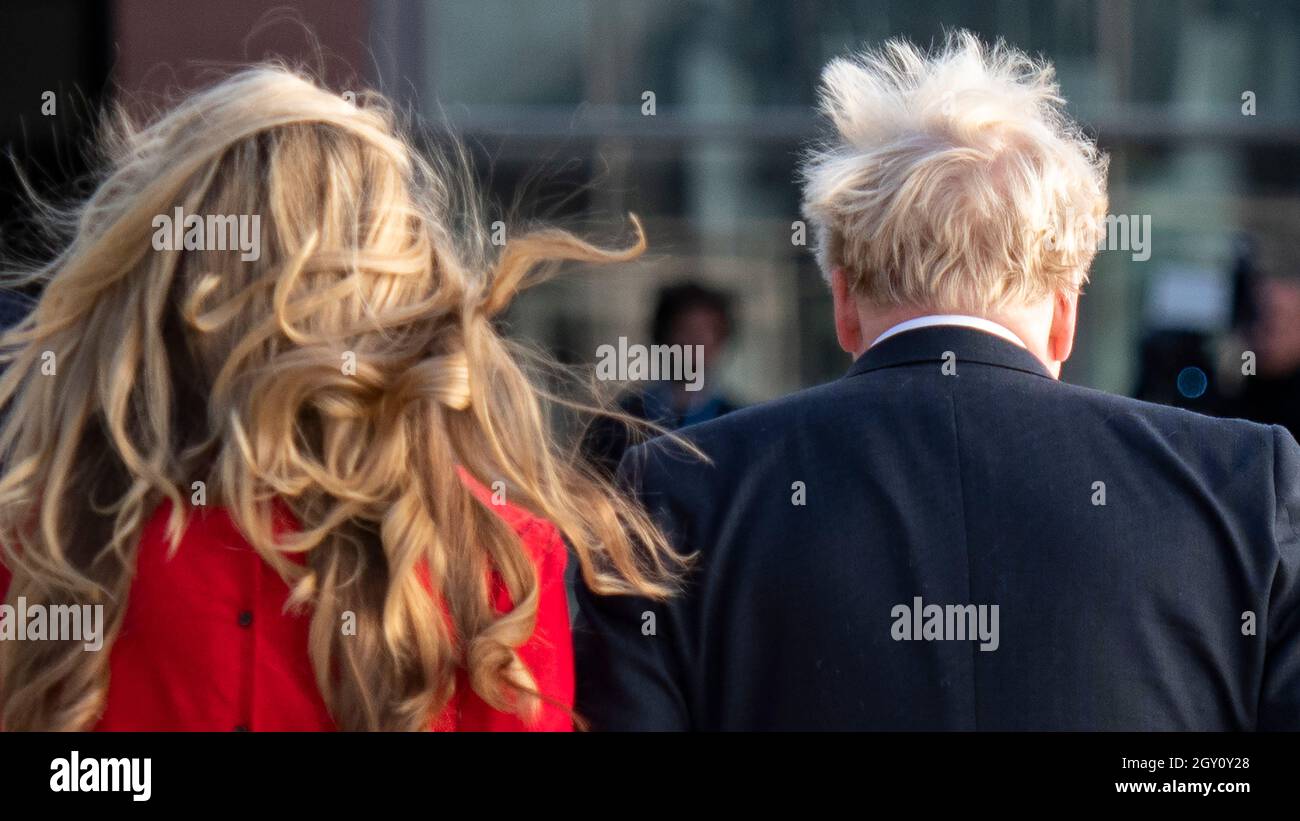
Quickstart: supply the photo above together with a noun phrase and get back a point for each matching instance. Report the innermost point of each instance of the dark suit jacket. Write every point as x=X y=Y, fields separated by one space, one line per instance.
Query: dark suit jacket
x=1173 y=605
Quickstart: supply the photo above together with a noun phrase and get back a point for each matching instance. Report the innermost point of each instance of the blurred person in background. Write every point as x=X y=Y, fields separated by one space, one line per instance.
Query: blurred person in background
x=315 y=444
x=686 y=314
x=1271 y=330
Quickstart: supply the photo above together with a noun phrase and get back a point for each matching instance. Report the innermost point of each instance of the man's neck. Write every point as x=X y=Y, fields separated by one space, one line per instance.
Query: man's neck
x=979 y=323
x=1031 y=325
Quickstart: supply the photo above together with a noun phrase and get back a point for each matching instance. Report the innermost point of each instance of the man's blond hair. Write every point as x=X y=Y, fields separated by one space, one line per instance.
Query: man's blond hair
x=955 y=181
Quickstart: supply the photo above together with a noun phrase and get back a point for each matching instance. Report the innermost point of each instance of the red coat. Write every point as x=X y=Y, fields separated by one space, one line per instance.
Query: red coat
x=207 y=646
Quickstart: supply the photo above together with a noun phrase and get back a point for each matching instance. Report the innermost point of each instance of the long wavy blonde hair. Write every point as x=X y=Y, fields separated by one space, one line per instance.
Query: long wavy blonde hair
x=142 y=371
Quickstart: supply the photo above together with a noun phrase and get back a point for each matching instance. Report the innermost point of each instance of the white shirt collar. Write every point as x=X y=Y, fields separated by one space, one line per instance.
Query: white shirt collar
x=978 y=323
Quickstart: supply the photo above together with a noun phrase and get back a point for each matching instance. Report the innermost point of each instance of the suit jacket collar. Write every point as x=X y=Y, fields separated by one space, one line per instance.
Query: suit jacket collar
x=928 y=344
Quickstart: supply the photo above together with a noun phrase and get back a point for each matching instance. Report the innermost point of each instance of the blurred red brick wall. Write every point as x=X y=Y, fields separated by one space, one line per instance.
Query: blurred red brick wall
x=161 y=47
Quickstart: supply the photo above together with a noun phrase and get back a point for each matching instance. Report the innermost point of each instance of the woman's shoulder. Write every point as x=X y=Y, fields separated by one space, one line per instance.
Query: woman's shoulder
x=540 y=537
x=207 y=525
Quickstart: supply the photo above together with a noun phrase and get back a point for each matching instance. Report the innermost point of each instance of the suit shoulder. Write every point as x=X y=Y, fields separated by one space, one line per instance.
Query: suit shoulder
x=747 y=438
x=1166 y=418
x=1235 y=451
x=743 y=423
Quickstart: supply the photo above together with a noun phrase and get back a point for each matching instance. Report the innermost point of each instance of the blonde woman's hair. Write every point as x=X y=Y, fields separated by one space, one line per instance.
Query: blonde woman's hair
x=172 y=367
x=955 y=180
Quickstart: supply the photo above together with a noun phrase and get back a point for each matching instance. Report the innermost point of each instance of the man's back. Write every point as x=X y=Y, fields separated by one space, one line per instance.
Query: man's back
x=855 y=539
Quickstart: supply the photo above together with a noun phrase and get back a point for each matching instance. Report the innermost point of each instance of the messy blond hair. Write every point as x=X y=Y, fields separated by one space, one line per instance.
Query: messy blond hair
x=178 y=366
x=954 y=181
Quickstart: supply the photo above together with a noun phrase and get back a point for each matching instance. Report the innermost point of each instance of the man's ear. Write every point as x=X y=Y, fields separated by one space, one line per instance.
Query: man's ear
x=848 y=325
x=1065 y=316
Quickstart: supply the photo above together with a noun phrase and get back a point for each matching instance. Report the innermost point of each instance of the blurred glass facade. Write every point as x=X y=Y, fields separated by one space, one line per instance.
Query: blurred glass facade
x=551 y=97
